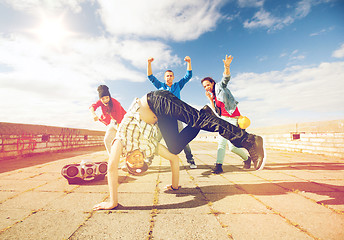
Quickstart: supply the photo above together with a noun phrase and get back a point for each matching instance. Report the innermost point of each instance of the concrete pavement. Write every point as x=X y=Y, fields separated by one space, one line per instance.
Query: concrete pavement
x=296 y=196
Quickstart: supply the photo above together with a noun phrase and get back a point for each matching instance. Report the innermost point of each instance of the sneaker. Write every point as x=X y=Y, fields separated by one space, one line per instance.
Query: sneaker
x=218 y=169
x=247 y=164
x=254 y=146
x=192 y=163
x=150 y=160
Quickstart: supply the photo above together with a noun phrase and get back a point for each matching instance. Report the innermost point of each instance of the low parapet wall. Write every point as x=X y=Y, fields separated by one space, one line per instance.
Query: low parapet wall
x=24 y=139
x=325 y=138
x=330 y=144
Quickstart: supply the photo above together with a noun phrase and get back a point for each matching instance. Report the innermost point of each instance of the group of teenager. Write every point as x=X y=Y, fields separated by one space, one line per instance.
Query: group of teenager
x=136 y=134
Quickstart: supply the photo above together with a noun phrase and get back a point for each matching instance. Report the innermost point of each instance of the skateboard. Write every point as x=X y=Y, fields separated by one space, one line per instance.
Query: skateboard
x=84 y=172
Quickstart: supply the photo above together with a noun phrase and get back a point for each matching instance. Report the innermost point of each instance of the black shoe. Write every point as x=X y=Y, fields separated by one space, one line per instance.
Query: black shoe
x=218 y=169
x=206 y=109
x=192 y=163
x=247 y=164
x=254 y=146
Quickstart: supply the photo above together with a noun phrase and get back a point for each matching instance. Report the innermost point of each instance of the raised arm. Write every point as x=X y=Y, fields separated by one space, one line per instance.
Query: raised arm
x=150 y=75
x=112 y=176
x=226 y=73
x=187 y=59
x=227 y=64
x=188 y=74
x=149 y=66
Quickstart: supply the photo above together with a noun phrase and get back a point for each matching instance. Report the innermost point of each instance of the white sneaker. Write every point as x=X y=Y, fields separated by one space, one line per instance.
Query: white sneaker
x=192 y=164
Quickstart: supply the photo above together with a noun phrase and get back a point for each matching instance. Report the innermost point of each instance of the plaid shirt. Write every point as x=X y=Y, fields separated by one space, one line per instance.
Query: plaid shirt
x=135 y=133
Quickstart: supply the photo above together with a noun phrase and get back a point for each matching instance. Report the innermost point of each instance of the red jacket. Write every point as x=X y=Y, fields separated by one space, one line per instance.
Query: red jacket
x=224 y=112
x=117 y=111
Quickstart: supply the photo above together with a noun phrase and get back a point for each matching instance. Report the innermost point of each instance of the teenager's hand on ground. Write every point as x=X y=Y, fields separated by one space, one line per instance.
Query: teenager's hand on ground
x=187 y=59
x=227 y=61
x=150 y=59
x=104 y=206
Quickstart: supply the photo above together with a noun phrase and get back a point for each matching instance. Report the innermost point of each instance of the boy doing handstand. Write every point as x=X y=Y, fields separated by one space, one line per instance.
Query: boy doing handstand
x=164 y=109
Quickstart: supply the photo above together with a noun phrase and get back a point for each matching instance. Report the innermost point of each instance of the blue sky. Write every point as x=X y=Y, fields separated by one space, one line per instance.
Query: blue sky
x=288 y=64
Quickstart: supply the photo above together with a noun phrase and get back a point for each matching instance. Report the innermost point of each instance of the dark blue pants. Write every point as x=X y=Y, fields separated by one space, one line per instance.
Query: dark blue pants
x=168 y=109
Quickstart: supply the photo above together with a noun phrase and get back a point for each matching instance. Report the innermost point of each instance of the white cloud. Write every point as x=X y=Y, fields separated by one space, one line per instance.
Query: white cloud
x=265 y=19
x=169 y=19
x=262 y=58
x=322 y=31
x=261 y=19
x=339 y=53
x=58 y=82
x=34 y=5
x=303 y=8
x=284 y=54
x=137 y=53
x=296 y=56
x=293 y=56
x=250 y=3
x=294 y=90
x=83 y=60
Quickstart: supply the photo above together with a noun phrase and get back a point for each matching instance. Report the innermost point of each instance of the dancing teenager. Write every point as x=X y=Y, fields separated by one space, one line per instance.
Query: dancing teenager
x=136 y=140
x=165 y=109
x=112 y=114
x=175 y=88
x=222 y=100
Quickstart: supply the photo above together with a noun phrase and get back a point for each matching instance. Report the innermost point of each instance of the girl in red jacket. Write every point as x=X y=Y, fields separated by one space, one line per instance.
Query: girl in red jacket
x=112 y=114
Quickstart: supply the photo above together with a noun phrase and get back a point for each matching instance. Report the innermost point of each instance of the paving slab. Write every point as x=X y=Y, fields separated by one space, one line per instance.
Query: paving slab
x=296 y=196
x=115 y=225
x=253 y=226
x=188 y=226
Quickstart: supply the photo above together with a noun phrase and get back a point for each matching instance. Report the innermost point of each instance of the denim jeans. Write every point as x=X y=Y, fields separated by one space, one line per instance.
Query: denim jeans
x=168 y=109
x=222 y=144
x=187 y=149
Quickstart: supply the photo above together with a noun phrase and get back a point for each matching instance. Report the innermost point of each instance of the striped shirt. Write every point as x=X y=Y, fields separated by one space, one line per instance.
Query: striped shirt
x=135 y=133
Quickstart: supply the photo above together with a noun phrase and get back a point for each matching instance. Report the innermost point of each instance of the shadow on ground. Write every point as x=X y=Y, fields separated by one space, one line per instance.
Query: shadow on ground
x=305 y=166
x=214 y=193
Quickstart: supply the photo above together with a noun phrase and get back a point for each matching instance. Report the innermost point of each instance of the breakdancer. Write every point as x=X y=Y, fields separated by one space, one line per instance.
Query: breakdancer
x=164 y=109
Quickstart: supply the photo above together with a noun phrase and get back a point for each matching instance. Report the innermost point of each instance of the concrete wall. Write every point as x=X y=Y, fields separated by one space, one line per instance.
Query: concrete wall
x=330 y=144
x=23 y=139
x=325 y=137
x=317 y=137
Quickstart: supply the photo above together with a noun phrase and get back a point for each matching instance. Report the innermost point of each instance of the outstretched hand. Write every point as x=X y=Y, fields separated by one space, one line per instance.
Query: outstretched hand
x=150 y=59
x=227 y=61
